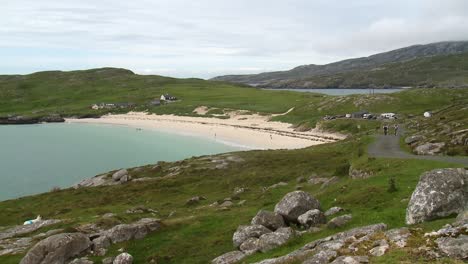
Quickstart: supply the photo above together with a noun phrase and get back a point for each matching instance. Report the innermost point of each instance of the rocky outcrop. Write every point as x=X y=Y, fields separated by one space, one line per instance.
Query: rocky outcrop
x=245 y=232
x=398 y=236
x=194 y=200
x=413 y=139
x=351 y=260
x=339 y=221
x=229 y=258
x=22 y=120
x=123 y=258
x=268 y=219
x=117 y=176
x=359 y=174
x=295 y=204
x=439 y=193
x=275 y=239
x=57 y=249
x=325 y=249
x=26 y=229
x=333 y=210
x=312 y=218
x=454 y=247
x=429 y=148
x=124 y=232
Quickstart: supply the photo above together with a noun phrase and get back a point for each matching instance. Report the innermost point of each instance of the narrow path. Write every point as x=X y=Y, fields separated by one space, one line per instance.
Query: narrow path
x=389 y=147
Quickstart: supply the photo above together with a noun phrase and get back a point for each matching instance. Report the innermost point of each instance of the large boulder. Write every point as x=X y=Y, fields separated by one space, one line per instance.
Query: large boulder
x=339 y=221
x=295 y=204
x=312 y=218
x=119 y=174
x=439 y=193
x=57 y=249
x=229 y=258
x=429 y=148
x=273 y=240
x=245 y=232
x=268 y=219
x=413 y=139
x=123 y=258
x=124 y=232
x=454 y=247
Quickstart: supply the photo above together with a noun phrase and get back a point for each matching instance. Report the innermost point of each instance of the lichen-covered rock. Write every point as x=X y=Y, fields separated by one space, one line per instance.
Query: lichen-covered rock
x=351 y=260
x=339 y=221
x=296 y=203
x=119 y=174
x=268 y=219
x=125 y=232
x=57 y=249
x=333 y=210
x=273 y=240
x=229 y=258
x=249 y=246
x=381 y=247
x=25 y=229
x=81 y=261
x=123 y=258
x=439 y=193
x=413 y=139
x=312 y=218
x=244 y=232
x=322 y=257
x=429 y=148
x=398 y=236
x=454 y=247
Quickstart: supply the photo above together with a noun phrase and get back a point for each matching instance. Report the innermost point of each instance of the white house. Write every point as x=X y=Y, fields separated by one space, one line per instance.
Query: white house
x=168 y=97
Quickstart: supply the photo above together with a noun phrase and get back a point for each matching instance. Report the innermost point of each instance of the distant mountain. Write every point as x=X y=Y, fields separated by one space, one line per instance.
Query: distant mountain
x=353 y=73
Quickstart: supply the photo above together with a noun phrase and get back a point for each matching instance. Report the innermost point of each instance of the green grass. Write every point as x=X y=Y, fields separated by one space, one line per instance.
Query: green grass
x=72 y=94
x=198 y=234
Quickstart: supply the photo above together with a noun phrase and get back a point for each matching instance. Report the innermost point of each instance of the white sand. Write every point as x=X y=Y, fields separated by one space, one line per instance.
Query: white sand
x=246 y=131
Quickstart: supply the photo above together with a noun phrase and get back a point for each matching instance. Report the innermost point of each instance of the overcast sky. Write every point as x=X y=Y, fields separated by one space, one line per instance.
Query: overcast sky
x=205 y=38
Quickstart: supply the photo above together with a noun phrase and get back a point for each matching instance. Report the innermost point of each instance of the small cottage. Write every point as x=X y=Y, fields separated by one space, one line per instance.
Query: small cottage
x=168 y=97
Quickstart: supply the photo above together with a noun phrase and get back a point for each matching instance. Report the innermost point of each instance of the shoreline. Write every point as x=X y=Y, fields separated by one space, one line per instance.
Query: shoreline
x=240 y=130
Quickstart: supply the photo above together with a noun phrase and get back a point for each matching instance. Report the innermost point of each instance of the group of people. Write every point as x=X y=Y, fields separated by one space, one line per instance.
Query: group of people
x=386 y=129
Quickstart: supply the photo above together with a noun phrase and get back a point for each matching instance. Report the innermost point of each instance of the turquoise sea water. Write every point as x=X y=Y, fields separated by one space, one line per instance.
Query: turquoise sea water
x=36 y=158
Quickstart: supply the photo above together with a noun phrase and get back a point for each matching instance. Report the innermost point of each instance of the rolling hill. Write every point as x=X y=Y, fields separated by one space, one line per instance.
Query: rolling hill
x=437 y=64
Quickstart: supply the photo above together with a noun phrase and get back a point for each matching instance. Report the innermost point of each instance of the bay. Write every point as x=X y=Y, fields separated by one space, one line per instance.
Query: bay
x=36 y=158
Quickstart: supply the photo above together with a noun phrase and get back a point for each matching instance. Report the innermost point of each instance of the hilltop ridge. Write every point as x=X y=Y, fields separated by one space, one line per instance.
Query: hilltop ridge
x=348 y=73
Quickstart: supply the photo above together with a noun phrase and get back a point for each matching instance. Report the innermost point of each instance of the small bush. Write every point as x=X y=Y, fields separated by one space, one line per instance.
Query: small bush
x=343 y=169
x=392 y=185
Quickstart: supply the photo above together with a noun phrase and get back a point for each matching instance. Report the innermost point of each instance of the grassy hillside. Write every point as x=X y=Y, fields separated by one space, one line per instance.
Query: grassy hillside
x=438 y=71
x=415 y=67
x=72 y=93
x=197 y=234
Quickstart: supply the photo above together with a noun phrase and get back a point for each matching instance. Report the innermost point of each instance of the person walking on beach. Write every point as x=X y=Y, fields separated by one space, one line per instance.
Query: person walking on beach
x=385 y=129
x=396 y=129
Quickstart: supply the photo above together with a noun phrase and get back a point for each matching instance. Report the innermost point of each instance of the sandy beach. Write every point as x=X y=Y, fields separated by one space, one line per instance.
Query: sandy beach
x=249 y=131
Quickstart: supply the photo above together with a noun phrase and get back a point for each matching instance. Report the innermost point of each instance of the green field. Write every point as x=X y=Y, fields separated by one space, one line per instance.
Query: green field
x=197 y=234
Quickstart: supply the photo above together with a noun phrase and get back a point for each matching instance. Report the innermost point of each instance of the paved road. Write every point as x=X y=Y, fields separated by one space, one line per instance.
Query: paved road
x=389 y=147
